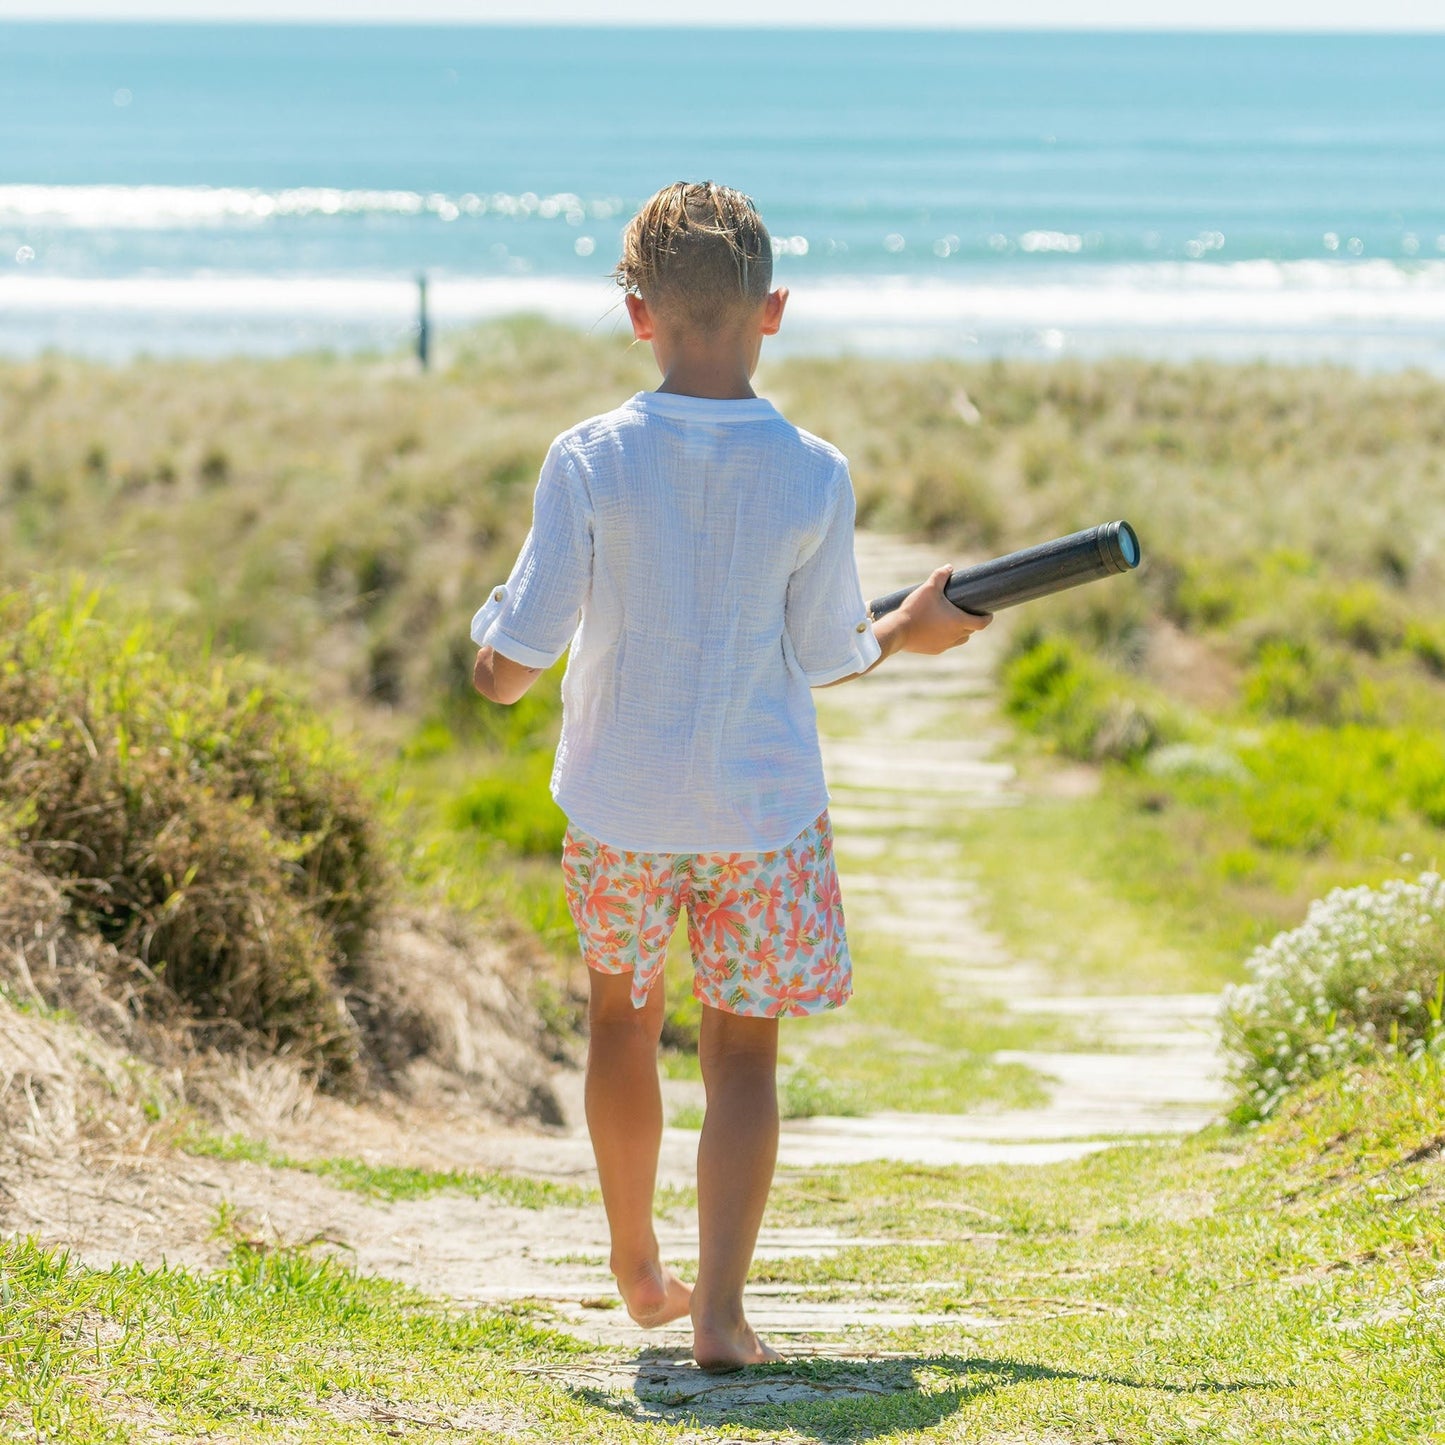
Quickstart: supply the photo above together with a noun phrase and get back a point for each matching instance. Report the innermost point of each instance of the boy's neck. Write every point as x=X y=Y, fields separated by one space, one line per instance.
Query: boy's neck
x=719 y=368
x=713 y=384
x=707 y=393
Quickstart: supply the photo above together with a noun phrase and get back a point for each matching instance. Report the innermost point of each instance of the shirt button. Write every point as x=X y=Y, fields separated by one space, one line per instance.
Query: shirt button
x=501 y=593
x=861 y=627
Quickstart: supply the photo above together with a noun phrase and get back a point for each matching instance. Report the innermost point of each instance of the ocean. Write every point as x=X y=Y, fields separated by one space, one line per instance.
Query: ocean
x=205 y=189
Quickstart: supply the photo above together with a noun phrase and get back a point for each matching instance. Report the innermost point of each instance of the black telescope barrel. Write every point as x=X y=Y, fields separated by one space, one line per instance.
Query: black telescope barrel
x=1035 y=571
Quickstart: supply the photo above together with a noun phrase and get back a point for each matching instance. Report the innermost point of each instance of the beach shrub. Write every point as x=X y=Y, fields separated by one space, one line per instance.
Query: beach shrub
x=1361 y=616
x=1362 y=978
x=1294 y=678
x=193 y=815
x=951 y=501
x=1054 y=687
x=1425 y=641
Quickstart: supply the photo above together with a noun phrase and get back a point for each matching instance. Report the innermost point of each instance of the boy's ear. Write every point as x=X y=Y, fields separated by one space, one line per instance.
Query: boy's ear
x=773 y=310
x=640 y=315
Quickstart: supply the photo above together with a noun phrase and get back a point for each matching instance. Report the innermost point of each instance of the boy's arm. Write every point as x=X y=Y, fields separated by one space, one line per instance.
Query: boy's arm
x=526 y=625
x=927 y=622
x=499 y=678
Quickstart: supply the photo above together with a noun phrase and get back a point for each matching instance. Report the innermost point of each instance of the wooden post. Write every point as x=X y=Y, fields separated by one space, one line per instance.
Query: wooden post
x=423 y=329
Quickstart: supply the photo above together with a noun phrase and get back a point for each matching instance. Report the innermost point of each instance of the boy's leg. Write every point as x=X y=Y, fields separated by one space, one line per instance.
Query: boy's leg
x=735 y=1159
x=624 y=1117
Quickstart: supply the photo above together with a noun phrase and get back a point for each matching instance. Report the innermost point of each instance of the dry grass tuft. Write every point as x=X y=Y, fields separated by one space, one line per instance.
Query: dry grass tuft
x=61 y=1086
x=445 y=1015
x=201 y=825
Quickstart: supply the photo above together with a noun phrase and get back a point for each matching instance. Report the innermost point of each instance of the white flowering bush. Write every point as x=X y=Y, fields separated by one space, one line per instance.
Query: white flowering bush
x=1363 y=977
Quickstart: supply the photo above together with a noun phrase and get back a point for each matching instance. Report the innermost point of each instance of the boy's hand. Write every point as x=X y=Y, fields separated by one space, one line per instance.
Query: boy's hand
x=925 y=622
x=930 y=623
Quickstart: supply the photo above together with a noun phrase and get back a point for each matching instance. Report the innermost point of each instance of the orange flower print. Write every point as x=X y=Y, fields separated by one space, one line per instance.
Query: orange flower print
x=795 y=937
x=764 y=953
x=765 y=899
x=655 y=938
x=788 y=995
x=799 y=872
x=604 y=908
x=654 y=886
x=830 y=896
x=725 y=922
x=735 y=867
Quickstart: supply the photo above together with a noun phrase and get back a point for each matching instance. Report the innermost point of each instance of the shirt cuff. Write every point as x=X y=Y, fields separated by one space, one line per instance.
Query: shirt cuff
x=487 y=631
x=866 y=652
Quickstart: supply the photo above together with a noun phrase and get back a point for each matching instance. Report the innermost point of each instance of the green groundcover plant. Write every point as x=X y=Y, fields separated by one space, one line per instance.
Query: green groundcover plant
x=1362 y=977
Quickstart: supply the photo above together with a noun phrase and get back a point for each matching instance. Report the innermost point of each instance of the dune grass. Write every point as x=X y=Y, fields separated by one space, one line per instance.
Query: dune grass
x=1262 y=698
x=341 y=516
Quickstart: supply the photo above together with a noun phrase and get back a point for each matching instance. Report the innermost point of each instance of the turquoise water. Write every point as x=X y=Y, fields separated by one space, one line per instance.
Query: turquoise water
x=195 y=187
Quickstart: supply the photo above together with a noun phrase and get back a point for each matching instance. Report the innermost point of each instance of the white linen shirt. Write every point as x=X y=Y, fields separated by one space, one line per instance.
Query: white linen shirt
x=697 y=556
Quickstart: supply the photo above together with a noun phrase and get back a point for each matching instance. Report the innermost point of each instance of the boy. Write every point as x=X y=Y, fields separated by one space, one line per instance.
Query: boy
x=696 y=553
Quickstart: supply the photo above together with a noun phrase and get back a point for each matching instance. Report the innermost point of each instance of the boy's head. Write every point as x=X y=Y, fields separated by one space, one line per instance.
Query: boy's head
x=699 y=254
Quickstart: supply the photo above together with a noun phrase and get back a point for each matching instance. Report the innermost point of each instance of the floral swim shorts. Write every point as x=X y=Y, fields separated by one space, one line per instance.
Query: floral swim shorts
x=765 y=929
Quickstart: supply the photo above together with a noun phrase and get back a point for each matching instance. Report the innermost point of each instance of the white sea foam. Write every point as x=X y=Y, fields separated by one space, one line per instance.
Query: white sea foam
x=1294 y=293
x=363 y=299
x=178 y=207
x=1372 y=312
x=1261 y=295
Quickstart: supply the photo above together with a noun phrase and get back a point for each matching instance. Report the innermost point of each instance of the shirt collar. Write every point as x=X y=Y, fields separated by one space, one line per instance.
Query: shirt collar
x=703 y=408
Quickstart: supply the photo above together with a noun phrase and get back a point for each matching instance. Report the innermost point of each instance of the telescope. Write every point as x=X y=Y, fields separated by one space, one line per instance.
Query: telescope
x=1101 y=551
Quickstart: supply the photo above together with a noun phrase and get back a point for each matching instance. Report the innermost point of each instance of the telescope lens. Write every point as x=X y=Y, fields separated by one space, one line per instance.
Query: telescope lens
x=1128 y=544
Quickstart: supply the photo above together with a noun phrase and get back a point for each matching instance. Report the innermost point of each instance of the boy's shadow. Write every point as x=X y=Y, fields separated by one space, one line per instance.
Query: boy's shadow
x=823 y=1398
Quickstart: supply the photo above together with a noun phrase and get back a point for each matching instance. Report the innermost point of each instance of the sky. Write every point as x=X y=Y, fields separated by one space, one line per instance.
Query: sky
x=1412 y=15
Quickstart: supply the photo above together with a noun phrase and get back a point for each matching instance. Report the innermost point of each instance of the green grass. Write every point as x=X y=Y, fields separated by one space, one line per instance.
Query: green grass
x=1138 y=886
x=1283 y=1286
x=1286 y=1285
x=279 y=1346
x=1113 y=890
x=388 y=1182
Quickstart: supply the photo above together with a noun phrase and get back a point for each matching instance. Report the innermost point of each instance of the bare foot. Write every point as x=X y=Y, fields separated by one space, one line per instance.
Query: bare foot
x=719 y=1349
x=653 y=1294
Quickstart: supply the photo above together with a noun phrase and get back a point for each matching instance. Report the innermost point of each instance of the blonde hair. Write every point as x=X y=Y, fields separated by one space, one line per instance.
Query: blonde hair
x=697 y=250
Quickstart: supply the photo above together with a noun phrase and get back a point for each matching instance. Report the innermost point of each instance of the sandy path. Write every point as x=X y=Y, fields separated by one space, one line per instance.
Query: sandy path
x=907 y=750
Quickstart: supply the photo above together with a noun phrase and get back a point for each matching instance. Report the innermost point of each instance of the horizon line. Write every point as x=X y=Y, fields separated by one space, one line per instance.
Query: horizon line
x=366 y=22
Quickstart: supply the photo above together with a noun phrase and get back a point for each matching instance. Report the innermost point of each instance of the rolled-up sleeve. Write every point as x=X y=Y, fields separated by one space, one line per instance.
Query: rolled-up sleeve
x=533 y=616
x=827 y=621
